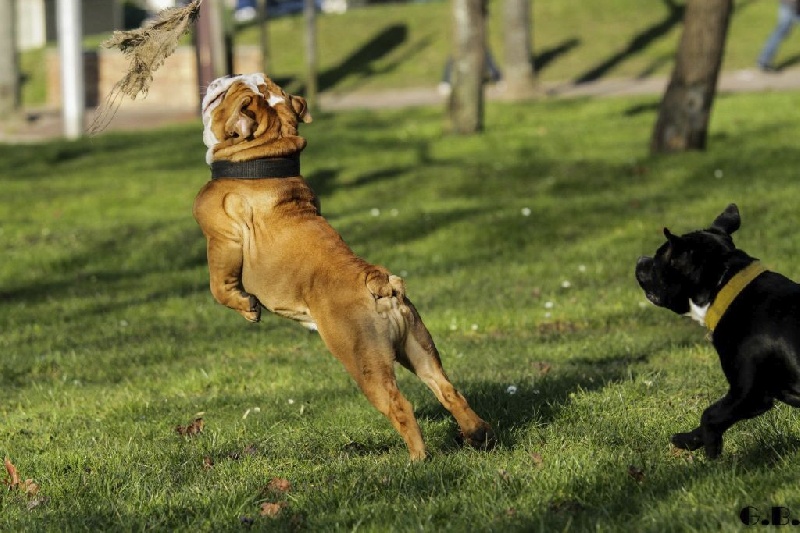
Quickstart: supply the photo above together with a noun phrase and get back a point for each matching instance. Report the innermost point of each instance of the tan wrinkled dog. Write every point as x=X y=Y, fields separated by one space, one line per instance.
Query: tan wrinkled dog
x=269 y=246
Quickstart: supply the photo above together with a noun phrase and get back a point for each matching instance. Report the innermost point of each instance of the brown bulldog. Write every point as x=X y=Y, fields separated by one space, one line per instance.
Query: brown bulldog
x=269 y=246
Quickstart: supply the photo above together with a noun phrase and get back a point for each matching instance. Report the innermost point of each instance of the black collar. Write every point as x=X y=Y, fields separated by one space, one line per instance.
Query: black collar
x=273 y=167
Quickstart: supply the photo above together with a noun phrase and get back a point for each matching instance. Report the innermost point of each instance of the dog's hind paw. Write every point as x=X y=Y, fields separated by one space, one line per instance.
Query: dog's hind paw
x=482 y=438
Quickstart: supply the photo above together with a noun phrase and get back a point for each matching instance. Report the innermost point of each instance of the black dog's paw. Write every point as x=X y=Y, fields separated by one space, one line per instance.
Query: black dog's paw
x=687 y=441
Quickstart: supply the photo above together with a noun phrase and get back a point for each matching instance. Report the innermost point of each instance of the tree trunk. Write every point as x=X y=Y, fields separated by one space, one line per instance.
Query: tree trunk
x=469 y=54
x=213 y=48
x=686 y=106
x=263 y=36
x=9 y=66
x=310 y=17
x=520 y=77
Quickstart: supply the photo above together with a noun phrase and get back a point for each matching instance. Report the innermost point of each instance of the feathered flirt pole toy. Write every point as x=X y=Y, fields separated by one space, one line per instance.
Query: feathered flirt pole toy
x=147 y=47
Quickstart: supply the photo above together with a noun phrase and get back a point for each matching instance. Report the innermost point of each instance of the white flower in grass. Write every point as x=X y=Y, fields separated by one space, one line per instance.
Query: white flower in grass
x=549 y=305
x=511 y=389
x=718 y=173
x=582 y=268
x=290 y=401
x=123 y=323
x=375 y=212
x=566 y=284
x=474 y=327
x=394 y=212
x=526 y=211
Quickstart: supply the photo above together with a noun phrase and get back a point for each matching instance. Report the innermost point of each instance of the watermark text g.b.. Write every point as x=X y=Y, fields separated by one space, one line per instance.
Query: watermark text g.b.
x=768 y=516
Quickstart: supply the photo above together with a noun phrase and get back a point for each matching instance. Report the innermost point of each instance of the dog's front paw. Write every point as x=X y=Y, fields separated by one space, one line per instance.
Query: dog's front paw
x=254 y=313
x=687 y=441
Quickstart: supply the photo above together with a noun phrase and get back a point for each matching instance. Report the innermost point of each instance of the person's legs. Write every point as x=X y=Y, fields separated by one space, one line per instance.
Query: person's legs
x=786 y=19
x=245 y=10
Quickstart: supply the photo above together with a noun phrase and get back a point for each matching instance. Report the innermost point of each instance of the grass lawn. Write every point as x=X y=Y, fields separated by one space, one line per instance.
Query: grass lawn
x=518 y=247
x=406 y=45
x=388 y=46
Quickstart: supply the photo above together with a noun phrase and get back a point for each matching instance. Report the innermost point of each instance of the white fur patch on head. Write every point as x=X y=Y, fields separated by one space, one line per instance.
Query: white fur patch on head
x=698 y=312
x=215 y=93
x=275 y=99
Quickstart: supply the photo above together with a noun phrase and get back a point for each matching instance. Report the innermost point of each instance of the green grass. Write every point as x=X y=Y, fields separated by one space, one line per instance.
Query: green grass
x=405 y=45
x=110 y=338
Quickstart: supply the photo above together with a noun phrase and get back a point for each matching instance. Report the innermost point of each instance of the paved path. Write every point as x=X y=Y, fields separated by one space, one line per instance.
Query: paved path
x=46 y=124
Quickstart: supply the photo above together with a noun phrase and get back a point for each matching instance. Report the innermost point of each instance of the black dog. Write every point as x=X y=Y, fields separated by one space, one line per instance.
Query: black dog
x=753 y=315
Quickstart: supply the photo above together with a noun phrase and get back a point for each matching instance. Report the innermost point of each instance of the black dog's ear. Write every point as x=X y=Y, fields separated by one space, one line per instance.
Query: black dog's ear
x=728 y=221
x=673 y=244
x=671 y=238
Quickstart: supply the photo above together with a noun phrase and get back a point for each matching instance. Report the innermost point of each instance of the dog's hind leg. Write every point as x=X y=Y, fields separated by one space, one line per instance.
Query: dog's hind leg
x=369 y=358
x=420 y=355
x=717 y=418
x=725 y=412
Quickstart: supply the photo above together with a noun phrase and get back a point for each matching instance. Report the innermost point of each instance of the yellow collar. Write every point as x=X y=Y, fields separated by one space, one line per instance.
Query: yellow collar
x=730 y=291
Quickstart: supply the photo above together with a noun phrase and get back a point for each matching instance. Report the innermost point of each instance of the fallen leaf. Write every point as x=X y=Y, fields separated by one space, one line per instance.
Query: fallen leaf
x=537 y=459
x=636 y=473
x=542 y=367
x=208 y=462
x=13 y=476
x=279 y=484
x=29 y=488
x=272 y=510
x=193 y=429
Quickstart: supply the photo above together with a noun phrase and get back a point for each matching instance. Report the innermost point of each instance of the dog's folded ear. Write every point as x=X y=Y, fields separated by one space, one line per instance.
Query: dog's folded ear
x=241 y=124
x=728 y=221
x=300 y=107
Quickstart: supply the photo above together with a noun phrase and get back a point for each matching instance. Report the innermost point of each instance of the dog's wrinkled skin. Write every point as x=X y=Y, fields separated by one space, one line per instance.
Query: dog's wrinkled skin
x=757 y=338
x=269 y=246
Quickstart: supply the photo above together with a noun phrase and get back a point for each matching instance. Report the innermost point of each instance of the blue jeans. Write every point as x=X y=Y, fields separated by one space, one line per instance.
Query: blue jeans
x=787 y=18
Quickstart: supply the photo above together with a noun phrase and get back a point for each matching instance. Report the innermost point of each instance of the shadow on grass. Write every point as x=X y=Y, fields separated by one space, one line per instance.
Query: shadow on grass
x=638 y=43
x=360 y=62
x=548 y=55
x=789 y=62
x=94 y=268
x=621 y=497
